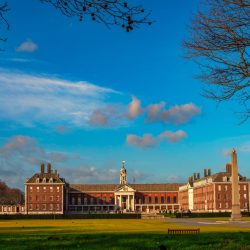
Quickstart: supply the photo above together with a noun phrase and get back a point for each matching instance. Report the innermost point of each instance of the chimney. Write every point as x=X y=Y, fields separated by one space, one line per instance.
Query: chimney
x=229 y=168
x=194 y=176
x=209 y=172
x=198 y=176
x=49 y=168
x=191 y=178
x=42 y=168
x=55 y=172
x=205 y=172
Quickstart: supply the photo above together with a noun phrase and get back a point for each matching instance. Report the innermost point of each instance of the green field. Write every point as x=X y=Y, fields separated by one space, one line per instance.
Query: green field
x=116 y=234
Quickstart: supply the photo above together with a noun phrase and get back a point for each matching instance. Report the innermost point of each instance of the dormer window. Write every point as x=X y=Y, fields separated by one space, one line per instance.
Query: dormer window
x=37 y=180
x=44 y=180
x=51 y=180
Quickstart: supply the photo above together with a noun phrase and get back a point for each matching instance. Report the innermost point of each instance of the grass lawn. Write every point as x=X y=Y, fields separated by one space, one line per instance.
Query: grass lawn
x=116 y=234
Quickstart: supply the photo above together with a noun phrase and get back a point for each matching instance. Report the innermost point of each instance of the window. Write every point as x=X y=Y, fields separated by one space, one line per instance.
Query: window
x=44 y=180
x=51 y=180
x=79 y=201
x=51 y=198
x=31 y=189
x=168 y=199
x=44 y=206
x=219 y=187
x=162 y=199
x=30 y=198
x=245 y=196
x=226 y=187
x=245 y=187
x=57 y=189
x=91 y=200
x=37 y=197
x=37 y=206
x=44 y=198
x=57 y=207
x=226 y=204
x=30 y=207
x=57 y=198
x=156 y=200
x=51 y=189
x=50 y=206
x=175 y=199
x=37 y=189
x=218 y=196
x=44 y=189
x=73 y=200
x=85 y=200
x=149 y=200
x=219 y=205
x=37 y=180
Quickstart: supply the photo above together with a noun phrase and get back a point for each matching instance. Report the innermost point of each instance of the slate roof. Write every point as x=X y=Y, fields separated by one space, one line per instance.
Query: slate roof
x=113 y=187
x=41 y=176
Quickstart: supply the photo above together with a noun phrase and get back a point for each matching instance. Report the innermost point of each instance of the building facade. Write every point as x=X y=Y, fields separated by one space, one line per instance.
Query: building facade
x=213 y=192
x=47 y=193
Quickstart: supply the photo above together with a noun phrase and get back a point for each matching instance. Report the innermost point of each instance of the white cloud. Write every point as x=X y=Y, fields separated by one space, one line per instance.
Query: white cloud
x=134 y=108
x=28 y=98
x=27 y=46
x=173 y=136
x=148 y=140
x=178 y=114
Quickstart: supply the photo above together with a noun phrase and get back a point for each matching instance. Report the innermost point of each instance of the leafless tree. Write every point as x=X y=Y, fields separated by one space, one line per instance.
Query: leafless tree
x=219 y=42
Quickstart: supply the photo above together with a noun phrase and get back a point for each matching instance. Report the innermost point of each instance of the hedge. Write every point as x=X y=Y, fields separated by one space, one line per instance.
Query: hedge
x=209 y=214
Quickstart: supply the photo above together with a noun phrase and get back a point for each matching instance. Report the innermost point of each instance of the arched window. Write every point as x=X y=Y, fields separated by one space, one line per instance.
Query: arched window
x=51 y=180
x=44 y=180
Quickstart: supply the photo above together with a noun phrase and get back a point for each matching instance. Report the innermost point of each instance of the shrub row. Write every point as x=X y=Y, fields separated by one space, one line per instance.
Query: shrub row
x=69 y=216
x=210 y=214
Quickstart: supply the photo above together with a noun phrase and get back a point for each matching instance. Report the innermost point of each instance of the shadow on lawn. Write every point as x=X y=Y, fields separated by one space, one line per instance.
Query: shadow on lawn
x=126 y=241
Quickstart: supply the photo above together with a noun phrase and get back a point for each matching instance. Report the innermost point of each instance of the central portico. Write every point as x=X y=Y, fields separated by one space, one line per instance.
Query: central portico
x=125 y=198
x=125 y=194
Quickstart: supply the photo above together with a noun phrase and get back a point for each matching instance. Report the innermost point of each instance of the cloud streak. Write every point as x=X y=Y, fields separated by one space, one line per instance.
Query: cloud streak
x=46 y=99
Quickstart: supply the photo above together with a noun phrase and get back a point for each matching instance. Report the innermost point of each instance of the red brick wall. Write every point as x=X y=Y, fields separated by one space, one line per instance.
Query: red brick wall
x=45 y=198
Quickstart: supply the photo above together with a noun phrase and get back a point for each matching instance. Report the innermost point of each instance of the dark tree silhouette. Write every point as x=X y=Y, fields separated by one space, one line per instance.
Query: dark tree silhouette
x=219 y=42
x=9 y=195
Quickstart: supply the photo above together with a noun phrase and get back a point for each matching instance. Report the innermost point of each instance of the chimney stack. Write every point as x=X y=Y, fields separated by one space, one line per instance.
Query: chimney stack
x=49 y=168
x=205 y=172
x=194 y=176
x=229 y=168
x=209 y=172
x=42 y=168
x=55 y=172
x=198 y=176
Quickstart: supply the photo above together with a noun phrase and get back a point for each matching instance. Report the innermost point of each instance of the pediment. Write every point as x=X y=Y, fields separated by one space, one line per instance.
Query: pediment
x=125 y=188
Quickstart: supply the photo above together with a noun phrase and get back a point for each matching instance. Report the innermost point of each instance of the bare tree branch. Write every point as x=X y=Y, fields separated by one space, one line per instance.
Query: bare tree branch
x=3 y=21
x=109 y=12
x=220 y=43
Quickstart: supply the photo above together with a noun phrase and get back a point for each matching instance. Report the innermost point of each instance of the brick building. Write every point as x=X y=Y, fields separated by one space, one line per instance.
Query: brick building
x=213 y=192
x=45 y=192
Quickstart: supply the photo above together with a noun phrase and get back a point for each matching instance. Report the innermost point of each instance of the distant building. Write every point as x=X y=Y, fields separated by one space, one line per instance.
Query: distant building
x=213 y=192
x=47 y=193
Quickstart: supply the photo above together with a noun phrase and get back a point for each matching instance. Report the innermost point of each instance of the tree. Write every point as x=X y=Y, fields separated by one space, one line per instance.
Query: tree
x=10 y=196
x=219 y=42
x=108 y=12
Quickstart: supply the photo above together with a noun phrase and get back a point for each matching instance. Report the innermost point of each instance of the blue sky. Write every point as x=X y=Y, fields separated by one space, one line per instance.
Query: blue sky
x=81 y=95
